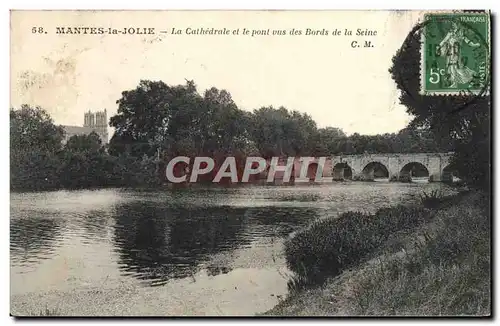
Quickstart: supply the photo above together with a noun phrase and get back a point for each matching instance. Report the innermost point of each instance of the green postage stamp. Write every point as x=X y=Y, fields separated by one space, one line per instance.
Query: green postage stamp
x=455 y=52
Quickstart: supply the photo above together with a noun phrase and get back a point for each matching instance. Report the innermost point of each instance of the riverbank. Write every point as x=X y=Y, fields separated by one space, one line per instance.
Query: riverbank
x=88 y=253
x=438 y=267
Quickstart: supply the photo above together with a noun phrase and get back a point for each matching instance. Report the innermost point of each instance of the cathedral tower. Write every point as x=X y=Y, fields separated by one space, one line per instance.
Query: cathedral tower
x=101 y=125
x=97 y=122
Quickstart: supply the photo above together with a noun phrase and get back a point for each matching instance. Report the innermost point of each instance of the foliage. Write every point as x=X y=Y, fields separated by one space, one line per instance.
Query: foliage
x=447 y=272
x=442 y=268
x=156 y=122
x=177 y=120
x=432 y=199
x=142 y=113
x=466 y=231
x=329 y=246
x=34 y=145
x=32 y=127
x=83 y=162
x=472 y=161
x=43 y=163
x=279 y=132
x=34 y=169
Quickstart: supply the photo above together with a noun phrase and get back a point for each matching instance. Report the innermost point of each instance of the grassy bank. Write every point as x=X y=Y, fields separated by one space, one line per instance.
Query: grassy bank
x=433 y=259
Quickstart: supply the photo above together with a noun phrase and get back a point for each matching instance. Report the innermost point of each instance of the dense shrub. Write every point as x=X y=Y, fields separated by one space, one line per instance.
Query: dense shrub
x=432 y=199
x=331 y=245
x=398 y=218
x=472 y=160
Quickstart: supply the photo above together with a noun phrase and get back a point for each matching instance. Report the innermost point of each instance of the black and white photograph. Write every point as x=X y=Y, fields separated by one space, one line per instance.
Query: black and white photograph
x=250 y=163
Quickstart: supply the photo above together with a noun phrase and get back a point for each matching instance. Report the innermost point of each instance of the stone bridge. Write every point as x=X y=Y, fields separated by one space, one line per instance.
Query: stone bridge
x=395 y=166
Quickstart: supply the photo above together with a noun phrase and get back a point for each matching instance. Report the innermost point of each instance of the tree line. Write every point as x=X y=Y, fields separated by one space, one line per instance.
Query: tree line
x=179 y=121
x=156 y=122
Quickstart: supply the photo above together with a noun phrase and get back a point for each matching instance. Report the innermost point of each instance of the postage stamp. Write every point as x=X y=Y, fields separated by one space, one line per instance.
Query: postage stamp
x=455 y=52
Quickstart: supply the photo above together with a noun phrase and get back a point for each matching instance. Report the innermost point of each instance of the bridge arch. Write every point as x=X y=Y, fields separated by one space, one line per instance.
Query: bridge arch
x=396 y=164
x=342 y=171
x=413 y=170
x=375 y=170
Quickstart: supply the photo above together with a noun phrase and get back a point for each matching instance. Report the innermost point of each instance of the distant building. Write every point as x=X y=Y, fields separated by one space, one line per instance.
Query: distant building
x=92 y=122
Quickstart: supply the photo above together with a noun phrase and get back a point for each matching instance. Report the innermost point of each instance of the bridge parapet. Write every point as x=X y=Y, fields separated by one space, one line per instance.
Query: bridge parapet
x=397 y=165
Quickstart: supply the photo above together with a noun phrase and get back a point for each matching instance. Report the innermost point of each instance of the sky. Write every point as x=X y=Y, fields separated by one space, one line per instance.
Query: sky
x=322 y=75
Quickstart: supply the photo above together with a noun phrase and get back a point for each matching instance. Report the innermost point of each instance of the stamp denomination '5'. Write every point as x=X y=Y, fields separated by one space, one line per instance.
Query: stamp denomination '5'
x=455 y=54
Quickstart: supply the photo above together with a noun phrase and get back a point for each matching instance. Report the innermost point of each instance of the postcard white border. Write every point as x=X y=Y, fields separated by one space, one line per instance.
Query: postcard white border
x=185 y=4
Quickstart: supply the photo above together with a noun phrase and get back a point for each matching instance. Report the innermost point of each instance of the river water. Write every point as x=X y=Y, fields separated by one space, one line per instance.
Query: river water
x=207 y=251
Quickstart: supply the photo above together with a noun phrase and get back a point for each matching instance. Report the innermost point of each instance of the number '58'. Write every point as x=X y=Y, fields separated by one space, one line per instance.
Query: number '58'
x=435 y=75
x=37 y=30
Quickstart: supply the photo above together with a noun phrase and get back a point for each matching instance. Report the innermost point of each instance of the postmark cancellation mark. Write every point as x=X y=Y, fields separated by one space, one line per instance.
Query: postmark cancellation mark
x=455 y=50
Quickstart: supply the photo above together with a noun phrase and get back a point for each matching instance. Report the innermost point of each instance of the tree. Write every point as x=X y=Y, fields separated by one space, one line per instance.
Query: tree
x=85 y=164
x=143 y=115
x=225 y=127
x=327 y=141
x=35 y=142
x=32 y=127
x=159 y=121
x=84 y=143
x=279 y=132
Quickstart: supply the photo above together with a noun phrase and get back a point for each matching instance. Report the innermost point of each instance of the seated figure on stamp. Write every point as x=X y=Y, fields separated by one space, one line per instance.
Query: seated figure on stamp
x=450 y=48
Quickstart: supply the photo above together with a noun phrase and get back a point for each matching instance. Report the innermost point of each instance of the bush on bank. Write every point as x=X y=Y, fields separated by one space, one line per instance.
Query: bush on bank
x=332 y=245
x=441 y=268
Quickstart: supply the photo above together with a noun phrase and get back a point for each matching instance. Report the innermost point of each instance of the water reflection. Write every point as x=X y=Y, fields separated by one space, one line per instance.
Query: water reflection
x=96 y=225
x=278 y=221
x=113 y=237
x=34 y=238
x=157 y=243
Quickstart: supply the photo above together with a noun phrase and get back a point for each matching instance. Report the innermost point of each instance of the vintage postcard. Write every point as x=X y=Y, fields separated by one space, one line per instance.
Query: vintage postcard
x=250 y=163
